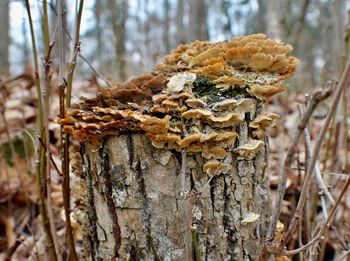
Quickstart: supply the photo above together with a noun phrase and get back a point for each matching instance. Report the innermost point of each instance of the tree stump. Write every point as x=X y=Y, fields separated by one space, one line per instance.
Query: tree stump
x=172 y=165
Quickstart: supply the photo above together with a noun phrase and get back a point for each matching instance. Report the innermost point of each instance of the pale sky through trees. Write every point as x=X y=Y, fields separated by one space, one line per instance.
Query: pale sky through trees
x=18 y=16
x=224 y=18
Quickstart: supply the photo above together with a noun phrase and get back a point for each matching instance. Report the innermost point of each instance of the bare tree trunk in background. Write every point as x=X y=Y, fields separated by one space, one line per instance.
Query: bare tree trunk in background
x=135 y=210
x=180 y=27
x=274 y=22
x=338 y=22
x=166 y=24
x=198 y=28
x=25 y=47
x=4 y=37
x=225 y=5
x=53 y=18
x=262 y=16
x=119 y=11
x=98 y=30
x=65 y=26
x=300 y=25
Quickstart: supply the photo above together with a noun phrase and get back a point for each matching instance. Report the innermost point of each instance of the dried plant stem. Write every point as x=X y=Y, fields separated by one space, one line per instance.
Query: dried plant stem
x=344 y=98
x=45 y=27
x=329 y=144
x=63 y=104
x=320 y=182
x=335 y=146
x=46 y=93
x=65 y=181
x=75 y=52
x=50 y=244
x=315 y=154
x=345 y=141
x=51 y=159
x=99 y=75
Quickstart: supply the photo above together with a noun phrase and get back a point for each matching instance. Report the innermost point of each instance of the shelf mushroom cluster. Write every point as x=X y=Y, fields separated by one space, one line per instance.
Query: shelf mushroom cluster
x=194 y=100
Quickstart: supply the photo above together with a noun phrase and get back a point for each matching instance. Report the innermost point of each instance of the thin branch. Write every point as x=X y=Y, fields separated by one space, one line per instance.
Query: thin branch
x=52 y=160
x=45 y=26
x=46 y=93
x=320 y=182
x=336 y=173
x=64 y=136
x=76 y=50
x=94 y=70
x=42 y=184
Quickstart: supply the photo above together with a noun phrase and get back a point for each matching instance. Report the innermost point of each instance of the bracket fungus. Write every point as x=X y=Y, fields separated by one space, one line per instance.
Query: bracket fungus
x=195 y=100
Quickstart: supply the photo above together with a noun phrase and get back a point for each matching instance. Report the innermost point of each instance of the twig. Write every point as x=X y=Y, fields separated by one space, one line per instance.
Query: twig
x=336 y=173
x=64 y=136
x=45 y=27
x=324 y=207
x=46 y=93
x=75 y=52
x=345 y=98
x=319 y=179
x=316 y=151
x=52 y=160
x=329 y=144
x=42 y=184
x=94 y=70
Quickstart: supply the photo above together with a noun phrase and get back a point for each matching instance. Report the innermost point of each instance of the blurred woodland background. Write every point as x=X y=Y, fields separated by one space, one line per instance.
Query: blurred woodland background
x=120 y=39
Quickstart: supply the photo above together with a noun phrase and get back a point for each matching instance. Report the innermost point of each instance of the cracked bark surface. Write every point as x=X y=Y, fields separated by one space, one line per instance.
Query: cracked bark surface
x=136 y=211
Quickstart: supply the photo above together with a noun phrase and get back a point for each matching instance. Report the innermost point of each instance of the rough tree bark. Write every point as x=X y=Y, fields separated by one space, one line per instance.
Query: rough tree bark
x=136 y=210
